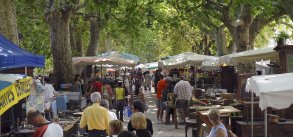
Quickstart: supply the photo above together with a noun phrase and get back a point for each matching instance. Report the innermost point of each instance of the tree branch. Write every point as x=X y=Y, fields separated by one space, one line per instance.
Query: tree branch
x=226 y=19
x=261 y=21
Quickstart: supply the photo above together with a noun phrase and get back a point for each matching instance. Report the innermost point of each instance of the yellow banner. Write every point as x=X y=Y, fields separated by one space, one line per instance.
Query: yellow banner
x=23 y=87
x=13 y=93
x=8 y=97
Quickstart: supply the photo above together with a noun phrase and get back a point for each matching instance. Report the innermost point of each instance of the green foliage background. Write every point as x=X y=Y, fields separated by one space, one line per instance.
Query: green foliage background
x=176 y=25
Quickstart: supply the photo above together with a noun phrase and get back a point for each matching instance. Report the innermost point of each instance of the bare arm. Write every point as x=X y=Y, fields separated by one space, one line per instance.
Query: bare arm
x=221 y=133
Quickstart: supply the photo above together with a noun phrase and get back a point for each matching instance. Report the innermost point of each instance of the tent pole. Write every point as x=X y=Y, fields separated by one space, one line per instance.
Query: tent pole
x=25 y=71
x=266 y=123
x=101 y=72
x=43 y=76
x=252 y=101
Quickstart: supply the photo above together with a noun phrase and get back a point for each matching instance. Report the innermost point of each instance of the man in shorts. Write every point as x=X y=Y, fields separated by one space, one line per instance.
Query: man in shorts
x=161 y=86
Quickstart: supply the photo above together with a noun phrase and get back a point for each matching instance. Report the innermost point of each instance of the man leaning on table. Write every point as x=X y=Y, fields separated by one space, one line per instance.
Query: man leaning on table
x=96 y=118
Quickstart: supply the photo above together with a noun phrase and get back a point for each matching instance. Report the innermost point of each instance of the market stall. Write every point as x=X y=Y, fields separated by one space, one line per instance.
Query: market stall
x=237 y=67
x=249 y=56
x=12 y=56
x=12 y=89
x=183 y=59
x=274 y=91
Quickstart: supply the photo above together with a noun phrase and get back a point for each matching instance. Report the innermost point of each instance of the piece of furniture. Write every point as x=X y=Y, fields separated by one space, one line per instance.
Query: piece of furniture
x=61 y=101
x=240 y=85
x=202 y=113
x=281 y=129
x=286 y=58
x=228 y=78
x=69 y=127
x=190 y=123
x=183 y=104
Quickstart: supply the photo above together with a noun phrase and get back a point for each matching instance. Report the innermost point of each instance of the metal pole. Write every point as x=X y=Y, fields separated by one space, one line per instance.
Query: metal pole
x=0 y=124
x=252 y=101
x=266 y=123
x=43 y=76
x=25 y=71
x=101 y=72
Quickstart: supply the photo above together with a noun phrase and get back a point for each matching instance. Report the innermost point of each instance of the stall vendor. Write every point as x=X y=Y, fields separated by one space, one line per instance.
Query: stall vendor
x=44 y=127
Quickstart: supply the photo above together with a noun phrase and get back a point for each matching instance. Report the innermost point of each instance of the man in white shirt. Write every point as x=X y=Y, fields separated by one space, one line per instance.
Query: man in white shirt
x=50 y=92
x=44 y=127
x=104 y=103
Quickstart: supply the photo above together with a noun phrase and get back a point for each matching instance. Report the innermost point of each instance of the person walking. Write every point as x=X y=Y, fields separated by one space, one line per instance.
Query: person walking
x=160 y=87
x=183 y=93
x=139 y=106
x=119 y=100
x=104 y=103
x=167 y=97
x=157 y=78
x=96 y=118
x=96 y=85
x=139 y=123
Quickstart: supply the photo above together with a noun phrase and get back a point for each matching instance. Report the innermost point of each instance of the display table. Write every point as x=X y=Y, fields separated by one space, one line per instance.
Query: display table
x=202 y=114
x=281 y=129
x=61 y=101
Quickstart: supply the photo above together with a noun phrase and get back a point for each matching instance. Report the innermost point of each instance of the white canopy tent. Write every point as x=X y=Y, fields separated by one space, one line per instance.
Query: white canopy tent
x=96 y=60
x=250 y=56
x=274 y=91
x=186 y=58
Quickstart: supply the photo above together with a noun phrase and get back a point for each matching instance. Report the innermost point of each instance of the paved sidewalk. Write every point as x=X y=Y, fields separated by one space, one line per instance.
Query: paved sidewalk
x=160 y=130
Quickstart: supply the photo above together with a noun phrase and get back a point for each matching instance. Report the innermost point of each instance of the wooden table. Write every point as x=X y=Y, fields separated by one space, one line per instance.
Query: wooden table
x=24 y=132
x=70 y=128
x=202 y=115
x=77 y=114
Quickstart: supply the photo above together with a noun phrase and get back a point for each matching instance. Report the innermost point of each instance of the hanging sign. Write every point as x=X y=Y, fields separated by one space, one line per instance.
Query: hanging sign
x=10 y=95
x=8 y=98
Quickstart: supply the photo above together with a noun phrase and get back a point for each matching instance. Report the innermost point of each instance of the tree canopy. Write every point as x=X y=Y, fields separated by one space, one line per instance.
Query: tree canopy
x=150 y=29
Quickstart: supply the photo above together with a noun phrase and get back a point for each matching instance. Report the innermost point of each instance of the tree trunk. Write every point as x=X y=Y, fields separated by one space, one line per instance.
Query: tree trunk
x=79 y=43
x=8 y=23
x=73 y=39
x=94 y=41
x=287 y=5
x=220 y=41
x=94 y=36
x=241 y=37
x=60 y=44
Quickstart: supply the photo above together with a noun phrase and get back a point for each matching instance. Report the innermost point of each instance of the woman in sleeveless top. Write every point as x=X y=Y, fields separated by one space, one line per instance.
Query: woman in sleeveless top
x=107 y=93
x=219 y=129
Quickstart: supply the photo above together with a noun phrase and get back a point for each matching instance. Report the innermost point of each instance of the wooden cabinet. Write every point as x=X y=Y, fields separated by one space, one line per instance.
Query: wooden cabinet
x=282 y=129
x=228 y=78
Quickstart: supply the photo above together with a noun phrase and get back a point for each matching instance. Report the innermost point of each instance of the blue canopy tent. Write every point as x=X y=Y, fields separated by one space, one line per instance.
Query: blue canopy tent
x=12 y=56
